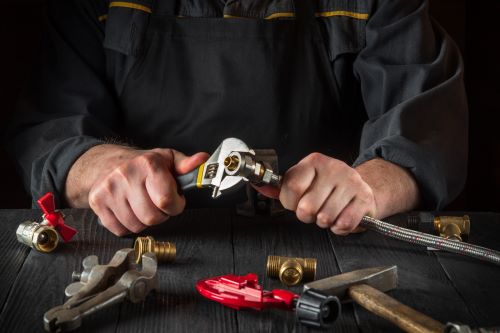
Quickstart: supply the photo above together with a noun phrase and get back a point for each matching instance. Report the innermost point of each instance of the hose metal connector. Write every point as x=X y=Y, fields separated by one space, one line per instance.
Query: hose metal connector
x=291 y=271
x=244 y=164
x=164 y=251
x=40 y=237
x=453 y=227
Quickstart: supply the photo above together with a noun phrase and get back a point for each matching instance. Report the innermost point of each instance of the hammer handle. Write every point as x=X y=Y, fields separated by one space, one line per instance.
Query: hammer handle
x=397 y=313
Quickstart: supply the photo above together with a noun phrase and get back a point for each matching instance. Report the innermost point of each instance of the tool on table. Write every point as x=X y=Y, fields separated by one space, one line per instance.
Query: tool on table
x=449 y=227
x=41 y=237
x=101 y=286
x=164 y=251
x=312 y=308
x=228 y=168
x=291 y=271
x=44 y=236
x=54 y=217
x=366 y=287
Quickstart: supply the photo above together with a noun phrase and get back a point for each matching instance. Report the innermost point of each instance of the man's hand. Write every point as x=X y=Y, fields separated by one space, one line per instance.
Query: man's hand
x=129 y=189
x=328 y=192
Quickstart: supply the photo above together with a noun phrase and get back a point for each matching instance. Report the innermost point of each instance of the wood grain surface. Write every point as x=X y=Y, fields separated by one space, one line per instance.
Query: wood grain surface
x=215 y=242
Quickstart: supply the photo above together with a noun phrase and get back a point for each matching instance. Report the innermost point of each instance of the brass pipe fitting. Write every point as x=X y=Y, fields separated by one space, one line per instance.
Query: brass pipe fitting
x=40 y=237
x=291 y=271
x=453 y=227
x=164 y=251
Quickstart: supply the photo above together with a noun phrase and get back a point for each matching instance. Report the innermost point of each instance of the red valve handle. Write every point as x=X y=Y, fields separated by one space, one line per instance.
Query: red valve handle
x=239 y=292
x=54 y=217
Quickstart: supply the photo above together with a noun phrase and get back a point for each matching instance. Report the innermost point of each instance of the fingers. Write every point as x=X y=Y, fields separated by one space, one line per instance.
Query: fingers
x=350 y=217
x=295 y=183
x=183 y=164
x=327 y=192
x=143 y=207
x=162 y=189
x=110 y=222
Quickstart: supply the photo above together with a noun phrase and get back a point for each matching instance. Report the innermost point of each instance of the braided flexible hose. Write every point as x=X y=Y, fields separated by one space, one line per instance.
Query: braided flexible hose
x=436 y=242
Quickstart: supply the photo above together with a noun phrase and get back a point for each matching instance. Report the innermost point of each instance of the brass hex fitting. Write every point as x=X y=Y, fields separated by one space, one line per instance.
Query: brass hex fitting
x=291 y=271
x=453 y=227
x=41 y=237
x=164 y=251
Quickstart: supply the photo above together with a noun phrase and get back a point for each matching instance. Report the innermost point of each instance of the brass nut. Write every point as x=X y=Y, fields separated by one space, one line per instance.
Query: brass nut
x=164 y=251
x=40 y=237
x=453 y=227
x=291 y=271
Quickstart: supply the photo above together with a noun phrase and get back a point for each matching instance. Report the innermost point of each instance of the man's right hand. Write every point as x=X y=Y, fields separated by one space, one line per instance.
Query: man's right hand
x=129 y=189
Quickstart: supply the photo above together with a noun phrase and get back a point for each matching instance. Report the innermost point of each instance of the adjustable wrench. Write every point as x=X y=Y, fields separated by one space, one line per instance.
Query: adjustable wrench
x=228 y=168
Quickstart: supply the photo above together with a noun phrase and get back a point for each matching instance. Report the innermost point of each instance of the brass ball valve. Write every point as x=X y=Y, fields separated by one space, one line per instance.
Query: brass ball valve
x=41 y=237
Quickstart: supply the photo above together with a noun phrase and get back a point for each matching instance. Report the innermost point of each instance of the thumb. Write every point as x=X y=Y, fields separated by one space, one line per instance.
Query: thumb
x=183 y=164
x=268 y=191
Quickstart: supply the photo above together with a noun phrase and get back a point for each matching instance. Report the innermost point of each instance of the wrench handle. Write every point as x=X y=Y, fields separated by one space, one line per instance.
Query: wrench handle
x=190 y=180
x=397 y=313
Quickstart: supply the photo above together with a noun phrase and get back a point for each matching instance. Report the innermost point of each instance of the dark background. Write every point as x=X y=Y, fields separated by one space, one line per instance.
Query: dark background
x=471 y=23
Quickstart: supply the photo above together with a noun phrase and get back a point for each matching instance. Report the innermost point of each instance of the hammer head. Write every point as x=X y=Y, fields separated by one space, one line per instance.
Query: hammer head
x=381 y=278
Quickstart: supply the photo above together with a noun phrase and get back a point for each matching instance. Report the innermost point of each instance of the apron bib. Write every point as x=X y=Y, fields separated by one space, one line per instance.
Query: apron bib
x=197 y=81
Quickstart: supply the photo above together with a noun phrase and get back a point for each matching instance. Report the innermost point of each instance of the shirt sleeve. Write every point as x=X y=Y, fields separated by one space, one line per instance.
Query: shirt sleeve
x=68 y=107
x=411 y=77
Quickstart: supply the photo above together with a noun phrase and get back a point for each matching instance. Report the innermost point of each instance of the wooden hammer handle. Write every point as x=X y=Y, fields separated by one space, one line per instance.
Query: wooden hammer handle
x=397 y=313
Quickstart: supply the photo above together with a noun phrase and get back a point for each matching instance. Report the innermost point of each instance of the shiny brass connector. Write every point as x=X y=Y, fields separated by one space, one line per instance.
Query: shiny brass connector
x=453 y=227
x=40 y=237
x=164 y=251
x=291 y=271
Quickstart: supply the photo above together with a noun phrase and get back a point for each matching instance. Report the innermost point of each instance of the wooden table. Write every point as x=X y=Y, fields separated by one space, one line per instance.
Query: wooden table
x=209 y=243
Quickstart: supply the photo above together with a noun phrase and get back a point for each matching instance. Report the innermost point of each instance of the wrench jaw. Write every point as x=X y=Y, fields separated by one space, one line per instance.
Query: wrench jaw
x=214 y=175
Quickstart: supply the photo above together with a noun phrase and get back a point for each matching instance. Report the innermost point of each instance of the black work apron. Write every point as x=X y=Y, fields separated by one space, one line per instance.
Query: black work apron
x=197 y=81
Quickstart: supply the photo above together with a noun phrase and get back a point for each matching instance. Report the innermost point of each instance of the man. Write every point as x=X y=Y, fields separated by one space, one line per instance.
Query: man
x=302 y=77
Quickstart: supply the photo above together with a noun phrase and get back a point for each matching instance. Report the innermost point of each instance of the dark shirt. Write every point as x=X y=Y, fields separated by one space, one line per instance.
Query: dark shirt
x=398 y=75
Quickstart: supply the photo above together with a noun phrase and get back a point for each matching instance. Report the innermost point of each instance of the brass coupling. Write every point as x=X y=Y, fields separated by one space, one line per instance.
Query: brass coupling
x=291 y=271
x=40 y=237
x=164 y=251
x=453 y=227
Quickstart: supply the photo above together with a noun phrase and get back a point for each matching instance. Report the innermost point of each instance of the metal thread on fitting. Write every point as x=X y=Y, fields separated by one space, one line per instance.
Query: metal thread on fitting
x=40 y=237
x=291 y=271
x=164 y=251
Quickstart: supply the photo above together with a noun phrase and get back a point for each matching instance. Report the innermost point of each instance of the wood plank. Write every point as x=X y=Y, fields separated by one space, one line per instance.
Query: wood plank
x=423 y=285
x=13 y=252
x=256 y=238
x=40 y=284
x=203 y=241
x=477 y=282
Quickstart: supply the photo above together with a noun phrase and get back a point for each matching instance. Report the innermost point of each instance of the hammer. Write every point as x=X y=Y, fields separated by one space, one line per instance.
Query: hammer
x=366 y=287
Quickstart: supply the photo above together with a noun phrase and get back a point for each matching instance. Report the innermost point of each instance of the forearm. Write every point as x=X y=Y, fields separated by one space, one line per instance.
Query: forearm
x=89 y=167
x=395 y=189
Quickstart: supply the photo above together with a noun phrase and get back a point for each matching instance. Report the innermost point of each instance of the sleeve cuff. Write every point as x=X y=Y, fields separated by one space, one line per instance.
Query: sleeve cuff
x=50 y=171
